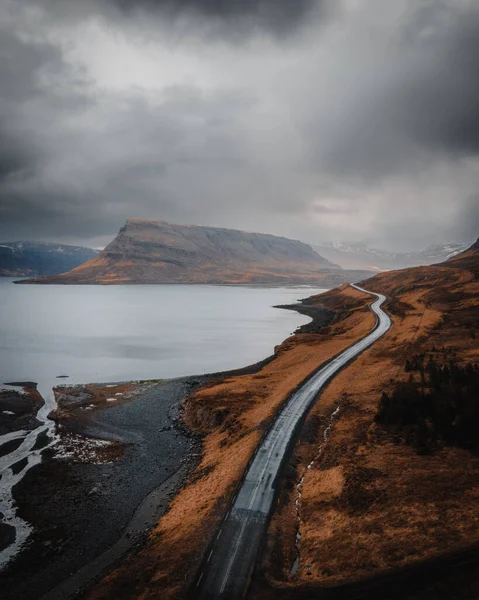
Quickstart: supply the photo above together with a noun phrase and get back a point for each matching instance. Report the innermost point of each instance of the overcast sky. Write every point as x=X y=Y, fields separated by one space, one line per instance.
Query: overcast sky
x=353 y=120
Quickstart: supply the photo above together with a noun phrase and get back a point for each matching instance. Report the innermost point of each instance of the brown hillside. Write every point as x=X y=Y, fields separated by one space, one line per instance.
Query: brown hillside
x=377 y=509
x=371 y=505
x=232 y=415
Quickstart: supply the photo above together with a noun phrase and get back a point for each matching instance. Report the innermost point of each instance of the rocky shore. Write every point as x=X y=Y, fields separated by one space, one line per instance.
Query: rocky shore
x=122 y=453
x=89 y=486
x=376 y=518
x=19 y=404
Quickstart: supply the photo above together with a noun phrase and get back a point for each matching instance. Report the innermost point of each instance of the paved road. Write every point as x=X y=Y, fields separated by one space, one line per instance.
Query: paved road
x=227 y=570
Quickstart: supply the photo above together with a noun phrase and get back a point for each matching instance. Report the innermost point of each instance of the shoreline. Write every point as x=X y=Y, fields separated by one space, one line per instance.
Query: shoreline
x=145 y=514
x=82 y=508
x=230 y=412
x=330 y=279
x=204 y=412
x=233 y=414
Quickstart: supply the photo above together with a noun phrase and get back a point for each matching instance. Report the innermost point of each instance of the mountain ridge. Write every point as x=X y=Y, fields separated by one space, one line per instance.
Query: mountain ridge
x=31 y=258
x=361 y=256
x=149 y=252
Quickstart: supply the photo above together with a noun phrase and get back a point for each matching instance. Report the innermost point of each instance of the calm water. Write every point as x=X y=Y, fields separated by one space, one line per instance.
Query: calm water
x=97 y=333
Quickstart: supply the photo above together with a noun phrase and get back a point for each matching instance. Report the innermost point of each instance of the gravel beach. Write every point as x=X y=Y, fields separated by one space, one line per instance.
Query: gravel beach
x=80 y=510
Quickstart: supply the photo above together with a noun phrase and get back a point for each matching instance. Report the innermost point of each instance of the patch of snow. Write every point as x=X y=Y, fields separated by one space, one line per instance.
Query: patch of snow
x=81 y=449
x=14 y=388
x=111 y=399
x=8 y=412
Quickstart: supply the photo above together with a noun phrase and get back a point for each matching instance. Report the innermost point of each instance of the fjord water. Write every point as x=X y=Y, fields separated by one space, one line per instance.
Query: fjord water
x=115 y=333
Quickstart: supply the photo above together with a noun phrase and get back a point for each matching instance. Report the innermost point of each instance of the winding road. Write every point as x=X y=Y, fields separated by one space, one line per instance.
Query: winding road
x=227 y=570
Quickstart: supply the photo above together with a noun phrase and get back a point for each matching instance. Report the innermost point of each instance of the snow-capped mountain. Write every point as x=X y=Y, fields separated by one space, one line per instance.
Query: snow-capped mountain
x=361 y=256
x=19 y=259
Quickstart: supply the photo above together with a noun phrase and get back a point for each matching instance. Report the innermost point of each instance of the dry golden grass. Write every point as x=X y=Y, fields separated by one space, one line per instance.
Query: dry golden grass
x=371 y=503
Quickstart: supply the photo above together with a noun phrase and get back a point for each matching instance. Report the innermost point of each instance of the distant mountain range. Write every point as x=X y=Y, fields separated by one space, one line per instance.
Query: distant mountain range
x=147 y=251
x=29 y=259
x=360 y=256
x=161 y=252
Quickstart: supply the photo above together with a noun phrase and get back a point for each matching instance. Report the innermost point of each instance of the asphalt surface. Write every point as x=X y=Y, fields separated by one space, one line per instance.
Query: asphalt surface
x=227 y=570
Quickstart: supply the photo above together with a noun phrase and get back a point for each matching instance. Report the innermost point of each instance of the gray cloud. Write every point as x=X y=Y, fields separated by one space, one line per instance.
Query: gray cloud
x=278 y=15
x=232 y=19
x=439 y=104
x=361 y=126
x=414 y=97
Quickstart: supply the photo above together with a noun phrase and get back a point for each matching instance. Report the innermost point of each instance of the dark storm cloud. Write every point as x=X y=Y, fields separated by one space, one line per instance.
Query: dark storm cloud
x=19 y=67
x=30 y=70
x=417 y=98
x=221 y=17
x=469 y=218
x=122 y=166
x=16 y=158
x=30 y=111
x=278 y=15
x=364 y=125
x=440 y=104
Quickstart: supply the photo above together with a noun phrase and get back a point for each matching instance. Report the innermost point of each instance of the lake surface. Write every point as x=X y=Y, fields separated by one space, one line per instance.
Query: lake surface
x=114 y=333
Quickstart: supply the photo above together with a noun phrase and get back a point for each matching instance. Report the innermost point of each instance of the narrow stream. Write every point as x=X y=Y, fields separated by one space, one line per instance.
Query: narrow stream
x=10 y=476
x=299 y=488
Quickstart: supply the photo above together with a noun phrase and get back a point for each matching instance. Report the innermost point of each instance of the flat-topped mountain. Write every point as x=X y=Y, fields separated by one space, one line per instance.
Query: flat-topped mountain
x=29 y=259
x=160 y=252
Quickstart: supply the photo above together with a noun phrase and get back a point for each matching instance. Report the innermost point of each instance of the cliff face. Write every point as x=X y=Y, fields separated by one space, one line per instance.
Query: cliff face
x=161 y=252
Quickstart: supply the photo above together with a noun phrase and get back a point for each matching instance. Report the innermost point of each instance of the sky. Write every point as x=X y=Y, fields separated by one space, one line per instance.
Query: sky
x=351 y=120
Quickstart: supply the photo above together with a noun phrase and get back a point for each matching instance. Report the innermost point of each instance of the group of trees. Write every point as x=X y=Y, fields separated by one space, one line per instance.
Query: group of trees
x=438 y=405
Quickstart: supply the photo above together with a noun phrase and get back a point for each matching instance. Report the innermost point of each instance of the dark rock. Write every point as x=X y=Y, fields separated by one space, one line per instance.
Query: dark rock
x=7 y=535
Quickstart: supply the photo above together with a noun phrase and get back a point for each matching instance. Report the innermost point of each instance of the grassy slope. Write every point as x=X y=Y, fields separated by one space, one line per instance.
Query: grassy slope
x=371 y=504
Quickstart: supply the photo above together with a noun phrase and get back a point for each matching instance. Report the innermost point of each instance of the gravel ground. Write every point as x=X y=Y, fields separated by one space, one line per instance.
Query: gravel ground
x=79 y=511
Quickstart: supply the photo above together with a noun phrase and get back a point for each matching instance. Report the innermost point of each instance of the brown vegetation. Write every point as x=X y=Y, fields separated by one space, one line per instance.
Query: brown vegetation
x=372 y=503
x=231 y=415
x=77 y=403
